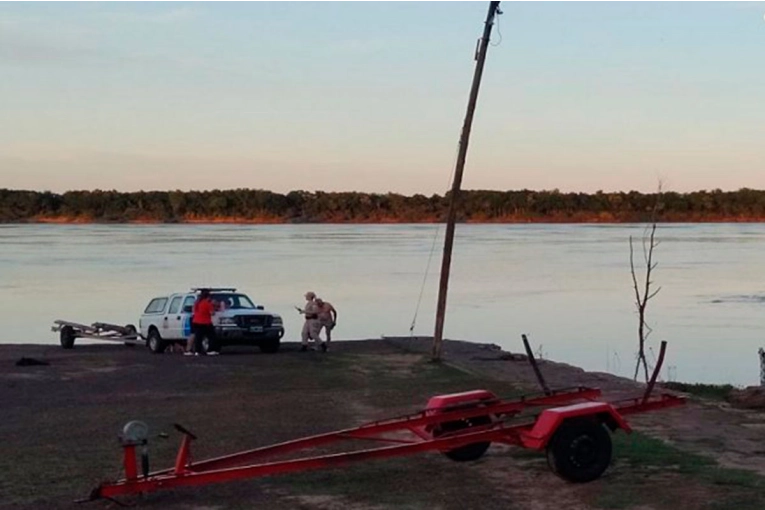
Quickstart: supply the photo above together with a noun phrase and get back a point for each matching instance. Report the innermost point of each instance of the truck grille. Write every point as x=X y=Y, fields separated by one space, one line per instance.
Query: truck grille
x=245 y=321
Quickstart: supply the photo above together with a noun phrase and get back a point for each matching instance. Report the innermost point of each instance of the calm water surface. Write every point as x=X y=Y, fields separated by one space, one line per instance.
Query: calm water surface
x=567 y=286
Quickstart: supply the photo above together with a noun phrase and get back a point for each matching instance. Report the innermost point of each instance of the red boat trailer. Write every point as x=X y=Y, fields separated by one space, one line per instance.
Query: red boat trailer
x=573 y=427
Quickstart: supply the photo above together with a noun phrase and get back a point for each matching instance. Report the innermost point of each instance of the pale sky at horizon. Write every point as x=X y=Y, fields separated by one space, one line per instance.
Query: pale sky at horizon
x=371 y=96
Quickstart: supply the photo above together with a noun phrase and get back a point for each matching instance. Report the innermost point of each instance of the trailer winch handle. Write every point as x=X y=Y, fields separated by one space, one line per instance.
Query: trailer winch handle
x=656 y=370
x=533 y=362
x=183 y=430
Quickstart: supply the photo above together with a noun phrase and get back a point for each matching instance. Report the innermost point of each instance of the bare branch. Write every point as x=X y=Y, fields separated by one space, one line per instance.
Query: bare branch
x=634 y=277
x=643 y=291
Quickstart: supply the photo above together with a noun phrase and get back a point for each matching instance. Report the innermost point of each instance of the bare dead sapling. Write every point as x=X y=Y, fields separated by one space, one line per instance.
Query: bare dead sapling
x=643 y=286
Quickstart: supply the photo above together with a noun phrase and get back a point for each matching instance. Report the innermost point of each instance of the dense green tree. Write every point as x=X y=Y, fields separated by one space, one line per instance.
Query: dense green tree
x=303 y=206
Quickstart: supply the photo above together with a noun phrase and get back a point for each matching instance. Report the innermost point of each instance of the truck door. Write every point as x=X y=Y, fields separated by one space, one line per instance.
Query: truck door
x=188 y=306
x=173 y=319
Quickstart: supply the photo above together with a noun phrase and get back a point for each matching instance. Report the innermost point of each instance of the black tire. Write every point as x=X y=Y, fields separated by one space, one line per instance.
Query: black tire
x=66 y=337
x=469 y=452
x=155 y=342
x=132 y=332
x=269 y=345
x=579 y=451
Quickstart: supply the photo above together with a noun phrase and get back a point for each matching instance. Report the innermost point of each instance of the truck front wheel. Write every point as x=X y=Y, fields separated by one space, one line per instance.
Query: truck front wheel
x=155 y=342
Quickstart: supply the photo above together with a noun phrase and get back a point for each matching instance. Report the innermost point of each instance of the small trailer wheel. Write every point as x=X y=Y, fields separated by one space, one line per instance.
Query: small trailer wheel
x=67 y=337
x=131 y=331
x=579 y=451
x=469 y=452
x=155 y=342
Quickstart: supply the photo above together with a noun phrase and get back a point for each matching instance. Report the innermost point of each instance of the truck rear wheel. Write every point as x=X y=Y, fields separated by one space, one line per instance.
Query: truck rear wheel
x=66 y=337
x=579 y=451
x=472 y=451
x=155 y=342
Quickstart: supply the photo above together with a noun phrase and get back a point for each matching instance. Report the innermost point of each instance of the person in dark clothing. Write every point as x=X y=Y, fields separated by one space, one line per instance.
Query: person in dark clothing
x=202 y=324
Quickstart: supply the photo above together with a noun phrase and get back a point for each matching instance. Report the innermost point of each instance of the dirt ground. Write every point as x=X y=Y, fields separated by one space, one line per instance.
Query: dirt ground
x=59 y=426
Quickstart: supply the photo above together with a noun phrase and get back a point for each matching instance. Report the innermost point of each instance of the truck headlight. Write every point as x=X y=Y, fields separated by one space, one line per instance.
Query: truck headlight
x=276 y=321
x=227 y=321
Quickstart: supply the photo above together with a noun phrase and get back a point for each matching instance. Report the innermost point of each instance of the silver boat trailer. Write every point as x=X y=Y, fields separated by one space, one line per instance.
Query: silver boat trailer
x=70 y=331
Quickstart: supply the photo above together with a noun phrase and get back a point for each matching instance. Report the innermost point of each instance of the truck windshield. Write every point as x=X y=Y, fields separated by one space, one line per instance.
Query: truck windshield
x=232 y=301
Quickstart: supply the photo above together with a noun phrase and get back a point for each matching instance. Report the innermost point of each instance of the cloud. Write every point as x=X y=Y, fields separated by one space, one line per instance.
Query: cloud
x=24 y=41
x=747 y=4
x=27 y=49
x=361 y=46
x=37 y=39
x=29 y=39
x=20 y=49
x=174 y=15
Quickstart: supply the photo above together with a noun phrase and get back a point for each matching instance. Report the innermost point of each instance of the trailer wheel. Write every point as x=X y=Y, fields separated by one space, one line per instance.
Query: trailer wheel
x=472 y=451
x=579 y=451
x=155 y=342
x=67 y=337
x=269 y=345
x=131 y=331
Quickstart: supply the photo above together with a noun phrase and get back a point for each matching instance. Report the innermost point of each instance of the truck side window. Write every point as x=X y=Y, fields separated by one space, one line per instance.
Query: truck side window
x=156 y=305
x=175 y=304
x=188 y=304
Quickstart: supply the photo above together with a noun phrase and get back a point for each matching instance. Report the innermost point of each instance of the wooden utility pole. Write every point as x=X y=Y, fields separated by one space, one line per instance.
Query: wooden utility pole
x=454 y=195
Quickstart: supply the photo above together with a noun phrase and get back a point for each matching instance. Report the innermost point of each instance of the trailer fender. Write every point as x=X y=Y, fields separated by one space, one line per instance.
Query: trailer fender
x=467 y=400
x=550 y=419
x=444 y=402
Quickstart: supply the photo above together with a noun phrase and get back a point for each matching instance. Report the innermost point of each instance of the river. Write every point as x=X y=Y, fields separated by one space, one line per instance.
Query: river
x=568 y=287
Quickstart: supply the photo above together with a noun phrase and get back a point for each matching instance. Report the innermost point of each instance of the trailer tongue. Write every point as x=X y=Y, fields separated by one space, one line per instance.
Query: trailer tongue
x=572 y=425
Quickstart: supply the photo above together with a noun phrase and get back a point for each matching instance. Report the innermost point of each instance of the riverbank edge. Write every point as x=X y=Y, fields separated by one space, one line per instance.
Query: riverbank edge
x=512 y=220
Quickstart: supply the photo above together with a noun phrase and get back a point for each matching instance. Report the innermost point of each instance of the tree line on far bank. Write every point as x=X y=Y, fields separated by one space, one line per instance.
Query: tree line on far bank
x=250 y=205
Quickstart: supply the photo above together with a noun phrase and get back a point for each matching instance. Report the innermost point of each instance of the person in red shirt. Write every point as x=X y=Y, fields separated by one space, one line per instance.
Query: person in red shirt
x=202 y=324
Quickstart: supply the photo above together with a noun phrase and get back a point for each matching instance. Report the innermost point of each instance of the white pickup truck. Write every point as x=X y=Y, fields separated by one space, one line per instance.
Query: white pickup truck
x=237 y=322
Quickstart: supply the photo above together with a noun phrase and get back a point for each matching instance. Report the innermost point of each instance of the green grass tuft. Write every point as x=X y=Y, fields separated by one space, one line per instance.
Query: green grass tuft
x=709 y=391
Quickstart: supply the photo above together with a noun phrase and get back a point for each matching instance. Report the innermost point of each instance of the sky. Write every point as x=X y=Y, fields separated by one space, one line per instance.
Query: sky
x=371 y=96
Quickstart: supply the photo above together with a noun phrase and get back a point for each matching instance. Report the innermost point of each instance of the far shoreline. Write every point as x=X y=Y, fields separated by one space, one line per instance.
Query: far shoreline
x=552 y=220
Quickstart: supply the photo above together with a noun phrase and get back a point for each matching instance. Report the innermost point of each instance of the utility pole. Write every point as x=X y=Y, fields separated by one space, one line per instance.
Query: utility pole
x=455 y=191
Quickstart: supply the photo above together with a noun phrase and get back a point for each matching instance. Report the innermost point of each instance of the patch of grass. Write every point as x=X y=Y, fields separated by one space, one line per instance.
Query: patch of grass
x=651 y=472
x=644 y=452
x=708 y=391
